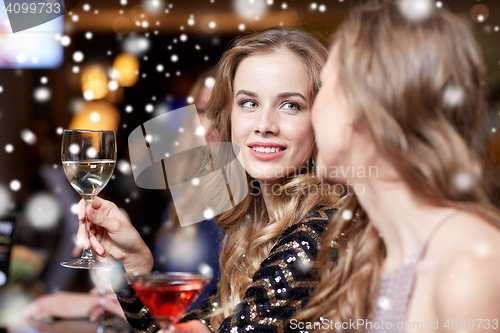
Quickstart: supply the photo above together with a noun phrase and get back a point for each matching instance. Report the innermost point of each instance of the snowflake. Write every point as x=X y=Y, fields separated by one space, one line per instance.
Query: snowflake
x=347 y=215
x=78 y=56
x=416 y=10
x=15 y=185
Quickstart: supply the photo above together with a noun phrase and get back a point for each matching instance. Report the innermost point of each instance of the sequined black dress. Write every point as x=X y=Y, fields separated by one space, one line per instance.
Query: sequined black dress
x=281 y=286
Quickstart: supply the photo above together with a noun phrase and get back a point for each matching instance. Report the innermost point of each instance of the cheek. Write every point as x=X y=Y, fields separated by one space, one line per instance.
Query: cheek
x=331 y=129
x=235 y=128
x=305 y=138
x=241 y=129
x=301 y=135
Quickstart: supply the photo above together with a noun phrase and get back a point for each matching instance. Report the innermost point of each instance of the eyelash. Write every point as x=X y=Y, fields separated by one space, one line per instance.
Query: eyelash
x=296 y=105
x=242 y=103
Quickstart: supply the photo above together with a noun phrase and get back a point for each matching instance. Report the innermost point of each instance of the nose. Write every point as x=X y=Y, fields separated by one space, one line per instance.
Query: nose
x=266 y=122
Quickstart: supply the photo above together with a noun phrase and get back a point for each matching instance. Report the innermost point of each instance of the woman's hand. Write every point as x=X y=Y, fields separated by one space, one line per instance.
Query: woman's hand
x=111 y=232
x=193 y=326
x=107 y=303
x=60 y=305
x=63 y=326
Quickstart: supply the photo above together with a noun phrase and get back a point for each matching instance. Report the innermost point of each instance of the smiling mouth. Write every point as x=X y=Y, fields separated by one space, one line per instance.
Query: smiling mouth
x=267 y=150
x=266 y=153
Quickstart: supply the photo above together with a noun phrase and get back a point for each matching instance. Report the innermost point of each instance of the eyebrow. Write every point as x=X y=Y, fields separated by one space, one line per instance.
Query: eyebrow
x=290 y=94
x=246 y=92
x=282 y=95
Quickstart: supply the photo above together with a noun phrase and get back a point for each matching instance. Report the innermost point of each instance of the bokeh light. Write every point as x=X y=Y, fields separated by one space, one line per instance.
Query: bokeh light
x=95 y=80
x=249 y=9
x=122 y=25
x=479 y=13
x=127 y=69
x=96 y=115
x=43 y=211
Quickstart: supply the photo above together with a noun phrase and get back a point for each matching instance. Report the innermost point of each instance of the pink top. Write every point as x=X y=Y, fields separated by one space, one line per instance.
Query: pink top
x=389 y=314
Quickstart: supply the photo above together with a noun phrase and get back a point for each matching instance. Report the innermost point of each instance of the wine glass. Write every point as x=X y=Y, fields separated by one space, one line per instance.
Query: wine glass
x=88 y=159
x=168 y=295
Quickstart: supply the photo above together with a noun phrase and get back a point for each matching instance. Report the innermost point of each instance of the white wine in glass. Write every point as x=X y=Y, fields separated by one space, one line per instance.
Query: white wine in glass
x=88 y=159
x=89 y=177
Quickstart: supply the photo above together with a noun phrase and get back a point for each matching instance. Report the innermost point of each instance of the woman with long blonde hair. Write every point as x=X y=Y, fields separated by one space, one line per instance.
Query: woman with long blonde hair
x=403 y=93
x=264 y=90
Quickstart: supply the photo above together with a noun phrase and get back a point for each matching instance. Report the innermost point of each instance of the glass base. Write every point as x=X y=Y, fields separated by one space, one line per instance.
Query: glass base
x=86 y=264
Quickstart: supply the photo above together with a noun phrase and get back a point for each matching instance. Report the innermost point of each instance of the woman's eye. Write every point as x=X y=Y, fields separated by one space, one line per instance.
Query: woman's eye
x=291 y=106
x=249 y=104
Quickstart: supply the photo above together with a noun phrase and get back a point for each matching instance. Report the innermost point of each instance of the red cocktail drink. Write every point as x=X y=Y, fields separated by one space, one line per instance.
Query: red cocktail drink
x=168 y=295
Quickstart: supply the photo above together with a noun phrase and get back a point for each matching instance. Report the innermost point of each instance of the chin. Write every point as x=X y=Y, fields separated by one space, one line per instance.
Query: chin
x=263 y=175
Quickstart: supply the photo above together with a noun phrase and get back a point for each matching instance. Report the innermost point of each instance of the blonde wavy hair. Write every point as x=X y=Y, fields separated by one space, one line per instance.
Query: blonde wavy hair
x=250 y=232
x=426 y=136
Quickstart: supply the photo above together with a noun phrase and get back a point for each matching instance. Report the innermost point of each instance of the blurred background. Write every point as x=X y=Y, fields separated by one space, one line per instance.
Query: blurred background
x=113 y=65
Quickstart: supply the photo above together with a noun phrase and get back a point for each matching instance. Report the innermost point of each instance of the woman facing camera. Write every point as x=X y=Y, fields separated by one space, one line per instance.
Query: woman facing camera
x=262 y=98
x=404 y=95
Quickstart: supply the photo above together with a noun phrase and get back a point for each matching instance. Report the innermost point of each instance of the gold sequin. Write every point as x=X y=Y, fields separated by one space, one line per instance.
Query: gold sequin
x=273 y=321
x=150 y=329
x=137 y=315
x=128 y=300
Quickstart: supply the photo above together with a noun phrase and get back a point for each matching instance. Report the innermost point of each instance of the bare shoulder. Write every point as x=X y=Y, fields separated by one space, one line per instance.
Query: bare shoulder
x=467 y=282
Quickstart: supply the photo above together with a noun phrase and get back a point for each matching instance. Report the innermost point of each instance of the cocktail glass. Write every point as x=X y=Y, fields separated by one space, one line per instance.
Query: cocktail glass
x=168 y=295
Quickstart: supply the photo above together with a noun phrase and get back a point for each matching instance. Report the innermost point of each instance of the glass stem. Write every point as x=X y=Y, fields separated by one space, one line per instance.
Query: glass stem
x=166 y=327
x=100 y=320
x=87 y=254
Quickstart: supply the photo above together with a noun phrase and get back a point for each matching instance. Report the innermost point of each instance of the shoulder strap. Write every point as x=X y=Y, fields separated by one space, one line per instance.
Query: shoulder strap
x=423 y=247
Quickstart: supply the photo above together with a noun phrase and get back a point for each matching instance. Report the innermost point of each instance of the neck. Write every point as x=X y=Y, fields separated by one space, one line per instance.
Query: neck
x=403 y=220
x=267 y=193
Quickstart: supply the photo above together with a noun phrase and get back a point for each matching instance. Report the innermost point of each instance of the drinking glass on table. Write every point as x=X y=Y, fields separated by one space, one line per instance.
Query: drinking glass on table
x=168 y=295
x=88 y=159
x=101 y=278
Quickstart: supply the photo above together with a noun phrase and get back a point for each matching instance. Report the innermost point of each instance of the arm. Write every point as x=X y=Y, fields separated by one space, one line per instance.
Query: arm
x=280 y=288
x=135 y=312
x=467 y=291
x=61 y=305
x=112 y=233
x=283 y=284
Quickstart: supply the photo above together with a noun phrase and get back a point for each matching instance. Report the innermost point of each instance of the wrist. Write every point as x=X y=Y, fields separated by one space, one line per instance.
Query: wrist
x=140 y=263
